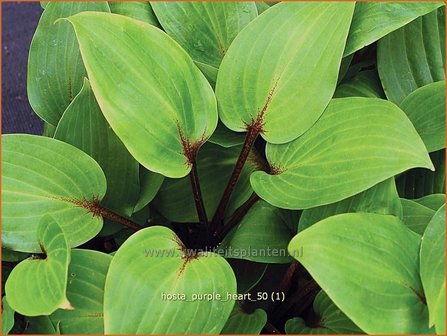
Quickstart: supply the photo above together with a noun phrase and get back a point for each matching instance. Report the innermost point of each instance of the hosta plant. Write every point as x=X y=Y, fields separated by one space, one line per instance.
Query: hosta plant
x=229 y=167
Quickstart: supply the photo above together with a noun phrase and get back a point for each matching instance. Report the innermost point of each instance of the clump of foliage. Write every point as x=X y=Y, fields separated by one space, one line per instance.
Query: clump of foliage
x=229 y=168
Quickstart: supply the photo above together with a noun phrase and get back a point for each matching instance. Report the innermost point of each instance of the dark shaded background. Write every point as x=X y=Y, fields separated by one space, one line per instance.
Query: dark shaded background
x=19 y=20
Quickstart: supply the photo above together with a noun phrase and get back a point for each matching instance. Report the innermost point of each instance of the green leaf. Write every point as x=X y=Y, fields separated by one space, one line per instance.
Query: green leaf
x=37 y=286
x=45 y=176
x=214 y=165
x=241 y=323
x=224 y=137
x=13 y=256
x=85 y=290
x=41 y=325
x=329 y=320
x=83 y=126
x=7 y=317
x=291 y=48
x=205 y=29
x=55 y=69
x=432 y=263
x=381 y=199
x=150 y=184
x=261 y=6
x=368 y=265
x=248 y=273
x=416 y=216
x=48 y=130
x=327 y=164
x=413 y=56
x=421 y=182
x=373 y=20
x=364 y=84
x=153 y=262
x=426 y=109
x=434 y=201
x=261 y=236
x=155 y=99
x=137 y=10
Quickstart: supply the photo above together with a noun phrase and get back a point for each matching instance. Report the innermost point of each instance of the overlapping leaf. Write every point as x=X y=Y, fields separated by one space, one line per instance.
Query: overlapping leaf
x=418 y=182
x=416 y=216
x=7 y=317
x=150 y=184
x=426 y=109
x=384 y=297
x=433 y=269
x=433 y=201
x=261 y=236
x=153 y=262
x=55 y=69
x=357 y=143
x=83 y=126
x=46 y=176
x=248 y=273
x=373 y=20
x=276 y=64
x=364 y=84
x=381 y=199
x=329 y=320
x=85 y=290
x=214 y=165
x=140 y=10
x=37 y=286
x=151 y=93
x=205 y=29
x=241 y=322
x=413 y=56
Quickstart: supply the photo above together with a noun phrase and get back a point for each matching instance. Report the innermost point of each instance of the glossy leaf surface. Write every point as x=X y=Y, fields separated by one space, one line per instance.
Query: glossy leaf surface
x=331 y=320
x=37 y=286
x=155 y=99
x=433 y=269
x=357 y=143
x=140 y=10
x=83 y=126
x=276 y=64
x=373 y=20
x=381 y=199
x=413 y=56
x=42 y=176
x=205 y=29
x=55 y=69
x=382 y=298
x=152 y=262
x=426 y=109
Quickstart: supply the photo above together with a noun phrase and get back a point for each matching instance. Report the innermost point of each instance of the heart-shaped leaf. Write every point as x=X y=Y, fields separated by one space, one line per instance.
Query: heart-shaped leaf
x=85 y=290
x=83 y=126
x=402 y=71
x=205 y=29
x=381 y=199
x=135 y=9
x=426 y=109
x=214 y=165
x=241 y=323
x=273 y=68
x=433 y=269
x=373 y=20
x=386 y=297
x=421 y=182
x=7 y=317
x=45 y=176
x=434 y=201
x=155 y=99
x=37 y=286
x=327 y=164
x=151 y=267
x=54 y=47
x=416 y=216
x=329 y=320
x=364 y=84
x=261 y=236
